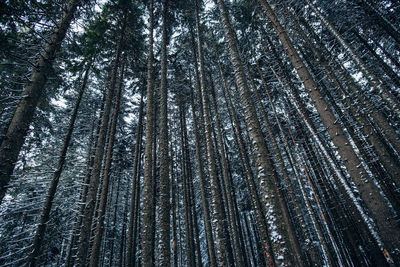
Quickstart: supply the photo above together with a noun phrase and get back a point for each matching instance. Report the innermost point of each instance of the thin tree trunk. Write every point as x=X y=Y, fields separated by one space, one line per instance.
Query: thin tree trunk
x=94 y=257
x=45 y=216
x=228 y=186
x=97 y=166
x=148 y=220
x=200 y=168
x=221 y=242
x=186 y=205
x=174 y=210
x=17 y=130
x=164 y=256
x=134 y=212
x=84 y=187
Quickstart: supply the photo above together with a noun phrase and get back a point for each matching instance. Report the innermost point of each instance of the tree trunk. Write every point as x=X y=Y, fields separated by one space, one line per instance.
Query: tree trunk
x=220 y=241
x=186 y=202
x=94 y=257
x=98 y=162
x=17 y=130
x=269 y=183
x=368 y=191
x=199 y=159
x=164 y=256
x=134 y=205
x=232 y=222
x=45 y=216
x=148 y=219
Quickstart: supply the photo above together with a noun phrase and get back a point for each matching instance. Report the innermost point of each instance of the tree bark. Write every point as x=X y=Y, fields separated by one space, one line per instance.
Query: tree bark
x=164 y=256
x=269 y=183
x=217 y=204
x=199 y=159
x=17 y=130
x=376 y=204
x=148 y=219
x=88 y=212
x=45 y=216
x=94 y=257
x=134 y=201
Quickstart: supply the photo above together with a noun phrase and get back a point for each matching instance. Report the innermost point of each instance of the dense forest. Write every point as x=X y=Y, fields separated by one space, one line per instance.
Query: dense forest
x=199 y=133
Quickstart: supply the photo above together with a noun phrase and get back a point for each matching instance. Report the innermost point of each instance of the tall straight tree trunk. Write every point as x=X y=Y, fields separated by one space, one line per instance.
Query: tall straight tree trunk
x=261 y=224
x=218 y=209
x=134 y=212
x=113 y=226
x=164 y=256
x=148 y=220
x=70 y=259
x=269 y=183
x=186 y=202
x=94 y=257
x=204 y=197
x=380 y=212
x=45 y=216
x=17 y=130
x=174 y=210
x=98 y=162
x=233 y=224
x=279 y=160
x=199 y=159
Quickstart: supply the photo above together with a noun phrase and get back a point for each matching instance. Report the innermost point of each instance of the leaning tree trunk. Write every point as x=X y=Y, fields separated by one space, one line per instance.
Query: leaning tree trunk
x=45 y=216
x=148 y=219
x=376 y=84
x=14 y=139
x=269 y=183
x=381 y=213
x=98 y=234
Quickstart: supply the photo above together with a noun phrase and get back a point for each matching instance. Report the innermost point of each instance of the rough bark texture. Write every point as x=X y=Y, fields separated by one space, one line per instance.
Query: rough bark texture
x=14 y=139
x=269 y=184
x=257 y=207
x=232 y=222
x=217 y=204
